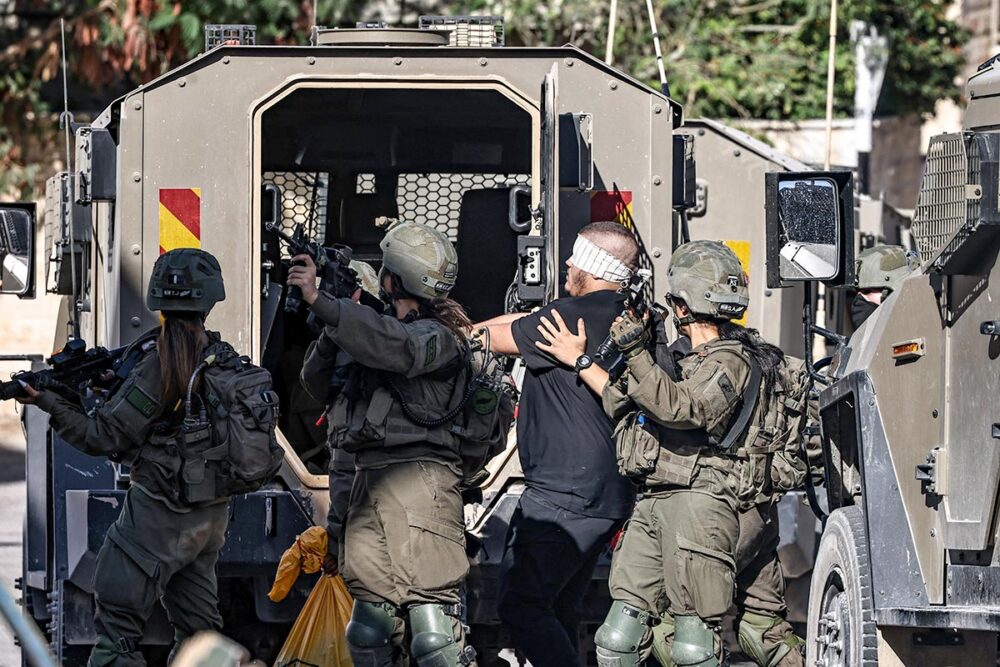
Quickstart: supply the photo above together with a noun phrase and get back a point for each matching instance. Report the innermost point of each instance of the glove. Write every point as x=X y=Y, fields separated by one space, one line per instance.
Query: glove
x=629 y=335
x=330 y=564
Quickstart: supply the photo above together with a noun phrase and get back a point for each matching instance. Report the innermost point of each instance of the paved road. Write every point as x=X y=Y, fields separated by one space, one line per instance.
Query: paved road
x=11 y=515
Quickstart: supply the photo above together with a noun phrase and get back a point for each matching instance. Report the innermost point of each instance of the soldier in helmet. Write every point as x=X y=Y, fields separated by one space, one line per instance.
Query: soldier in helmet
x=675 y=564
x=403 y=540
x=163 y=546
x=878 y=271
x=325 y=371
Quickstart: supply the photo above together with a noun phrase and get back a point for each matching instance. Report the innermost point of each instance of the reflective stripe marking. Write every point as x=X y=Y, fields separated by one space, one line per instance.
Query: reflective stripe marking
x=180 y=218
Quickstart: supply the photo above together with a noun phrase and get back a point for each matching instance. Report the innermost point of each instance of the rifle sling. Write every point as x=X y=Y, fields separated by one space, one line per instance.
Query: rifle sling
x=742 y=421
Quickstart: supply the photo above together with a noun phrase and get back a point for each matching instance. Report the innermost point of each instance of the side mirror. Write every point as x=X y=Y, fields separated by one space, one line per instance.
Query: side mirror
x=17 y=250
x=810 y=227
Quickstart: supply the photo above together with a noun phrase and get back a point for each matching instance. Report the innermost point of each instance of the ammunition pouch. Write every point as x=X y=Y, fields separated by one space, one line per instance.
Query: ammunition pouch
x=649 y=456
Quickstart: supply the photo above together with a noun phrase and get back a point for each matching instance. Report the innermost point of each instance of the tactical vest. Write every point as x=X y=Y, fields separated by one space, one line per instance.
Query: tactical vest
x=369 y=415
x=760 y=452
x=654 y=455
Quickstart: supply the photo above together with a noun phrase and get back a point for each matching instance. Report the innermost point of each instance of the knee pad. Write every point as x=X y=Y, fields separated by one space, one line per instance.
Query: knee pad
x=694 y=643
x=369 y=633
x=434 y=643
x=619 y=638
x=765 y=651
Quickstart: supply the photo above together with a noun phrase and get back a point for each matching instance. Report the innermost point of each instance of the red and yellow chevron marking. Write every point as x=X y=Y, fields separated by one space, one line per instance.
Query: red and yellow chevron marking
x=615 y=205
x=180 y=218
x=742 y=250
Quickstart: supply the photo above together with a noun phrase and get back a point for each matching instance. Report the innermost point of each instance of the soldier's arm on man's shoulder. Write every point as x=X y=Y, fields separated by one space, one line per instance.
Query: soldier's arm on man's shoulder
x=701 y=401
x=615 y=399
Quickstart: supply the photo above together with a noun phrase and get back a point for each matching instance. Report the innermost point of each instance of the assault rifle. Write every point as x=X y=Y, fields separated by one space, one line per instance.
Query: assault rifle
x=635 y=306
x=76 y=369
x=333 y=265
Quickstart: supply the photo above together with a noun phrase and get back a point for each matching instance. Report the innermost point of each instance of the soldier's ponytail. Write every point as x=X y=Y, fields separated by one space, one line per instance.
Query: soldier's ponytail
x=449 y=313
x=770 y=357
x=180 y=348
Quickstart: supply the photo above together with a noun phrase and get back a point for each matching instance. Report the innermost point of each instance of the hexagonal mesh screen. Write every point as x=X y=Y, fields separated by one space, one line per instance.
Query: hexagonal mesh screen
x=304 y=197
x=436 y=199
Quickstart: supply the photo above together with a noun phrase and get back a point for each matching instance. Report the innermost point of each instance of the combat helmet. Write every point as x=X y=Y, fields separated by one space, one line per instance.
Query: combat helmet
x=883 y=267
x=185 y=279
x=710 y=280
x=422 y=257
x=367 y=276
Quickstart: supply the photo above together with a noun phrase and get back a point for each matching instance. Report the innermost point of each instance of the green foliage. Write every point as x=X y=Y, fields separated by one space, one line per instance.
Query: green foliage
x=761 y=58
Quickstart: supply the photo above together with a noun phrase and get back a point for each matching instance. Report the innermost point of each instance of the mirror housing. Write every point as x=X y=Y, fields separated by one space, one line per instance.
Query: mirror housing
x=17 y=250
x=810 y=227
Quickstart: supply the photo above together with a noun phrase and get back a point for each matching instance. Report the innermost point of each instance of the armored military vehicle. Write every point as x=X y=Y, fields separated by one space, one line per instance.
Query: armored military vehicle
x=509 y=151
x=907 y=571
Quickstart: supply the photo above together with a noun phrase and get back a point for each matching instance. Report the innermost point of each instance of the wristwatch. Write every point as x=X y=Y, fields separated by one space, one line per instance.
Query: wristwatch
x=583 y=362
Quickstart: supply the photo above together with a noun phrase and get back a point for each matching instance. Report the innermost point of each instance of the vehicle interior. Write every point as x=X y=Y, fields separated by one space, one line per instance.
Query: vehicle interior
x=337 y=158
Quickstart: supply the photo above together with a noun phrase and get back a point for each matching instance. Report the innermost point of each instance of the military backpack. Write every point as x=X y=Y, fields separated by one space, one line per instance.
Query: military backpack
x=227 y=443
x=770 y=457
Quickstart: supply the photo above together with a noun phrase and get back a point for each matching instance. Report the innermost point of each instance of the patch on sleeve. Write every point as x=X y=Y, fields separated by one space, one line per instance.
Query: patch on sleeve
x=141 y=401
x=430 y=350
x=727 y=388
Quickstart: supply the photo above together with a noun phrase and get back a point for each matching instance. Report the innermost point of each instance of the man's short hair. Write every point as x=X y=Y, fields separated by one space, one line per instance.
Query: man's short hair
x=616 y=239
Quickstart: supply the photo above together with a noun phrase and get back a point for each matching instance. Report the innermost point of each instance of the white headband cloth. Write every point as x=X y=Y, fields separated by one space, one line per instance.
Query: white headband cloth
x=598 y=262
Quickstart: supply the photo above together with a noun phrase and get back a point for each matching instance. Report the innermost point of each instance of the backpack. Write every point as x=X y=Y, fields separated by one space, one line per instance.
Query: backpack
x=229 y=447
x=770 y=458
x=482 y=420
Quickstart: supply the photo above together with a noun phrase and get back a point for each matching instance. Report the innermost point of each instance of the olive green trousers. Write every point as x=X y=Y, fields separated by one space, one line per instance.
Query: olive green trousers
x=151 y=554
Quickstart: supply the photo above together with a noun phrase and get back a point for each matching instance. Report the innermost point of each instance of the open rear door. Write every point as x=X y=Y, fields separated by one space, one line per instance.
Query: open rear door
x=537 y=270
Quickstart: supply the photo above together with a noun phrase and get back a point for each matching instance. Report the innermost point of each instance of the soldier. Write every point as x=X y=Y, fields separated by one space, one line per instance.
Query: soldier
x=163 y=546
x=764 y=634
x=877 y=272
x=676 y=561
x=324 y=372
x=403 y=540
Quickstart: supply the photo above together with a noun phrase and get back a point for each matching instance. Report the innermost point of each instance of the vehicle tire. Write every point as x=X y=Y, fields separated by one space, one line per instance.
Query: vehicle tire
x=841 y=627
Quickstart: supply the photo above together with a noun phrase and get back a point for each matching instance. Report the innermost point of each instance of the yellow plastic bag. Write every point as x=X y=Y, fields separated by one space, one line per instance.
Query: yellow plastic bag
x=317 y=638
x=305 y=555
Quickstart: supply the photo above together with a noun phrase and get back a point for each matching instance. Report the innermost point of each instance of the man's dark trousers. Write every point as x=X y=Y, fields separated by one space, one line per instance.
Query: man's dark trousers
x=547 y=565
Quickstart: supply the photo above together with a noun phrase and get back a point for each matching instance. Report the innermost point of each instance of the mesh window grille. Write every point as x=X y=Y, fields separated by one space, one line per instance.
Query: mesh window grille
x=436 y=199
x=304 y=198
x=217 y=34
x=467 y=30
x=365 y=184
x=942 y=207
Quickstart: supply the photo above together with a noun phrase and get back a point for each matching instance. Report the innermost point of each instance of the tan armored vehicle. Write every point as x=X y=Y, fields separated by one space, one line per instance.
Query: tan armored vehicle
x=908 y=571
x=509 y=151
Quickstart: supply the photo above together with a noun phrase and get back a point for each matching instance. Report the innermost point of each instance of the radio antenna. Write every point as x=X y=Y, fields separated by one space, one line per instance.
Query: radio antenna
x=664 y=86
x=66 y=122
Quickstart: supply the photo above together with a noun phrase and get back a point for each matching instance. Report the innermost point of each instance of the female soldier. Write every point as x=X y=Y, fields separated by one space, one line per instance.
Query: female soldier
x=162 y=546
x=675 y=563
x=403 y=537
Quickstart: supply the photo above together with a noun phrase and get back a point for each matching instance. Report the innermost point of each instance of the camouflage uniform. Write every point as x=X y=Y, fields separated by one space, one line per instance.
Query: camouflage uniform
x=676 y=563
x=402 y=540
x=678 y=552
x=160 y=548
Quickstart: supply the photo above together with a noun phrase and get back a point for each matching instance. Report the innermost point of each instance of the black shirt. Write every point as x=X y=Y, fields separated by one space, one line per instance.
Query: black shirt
x=564 y=438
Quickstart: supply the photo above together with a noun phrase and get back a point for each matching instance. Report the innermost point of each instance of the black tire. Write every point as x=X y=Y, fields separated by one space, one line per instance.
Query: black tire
x=841 y=627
